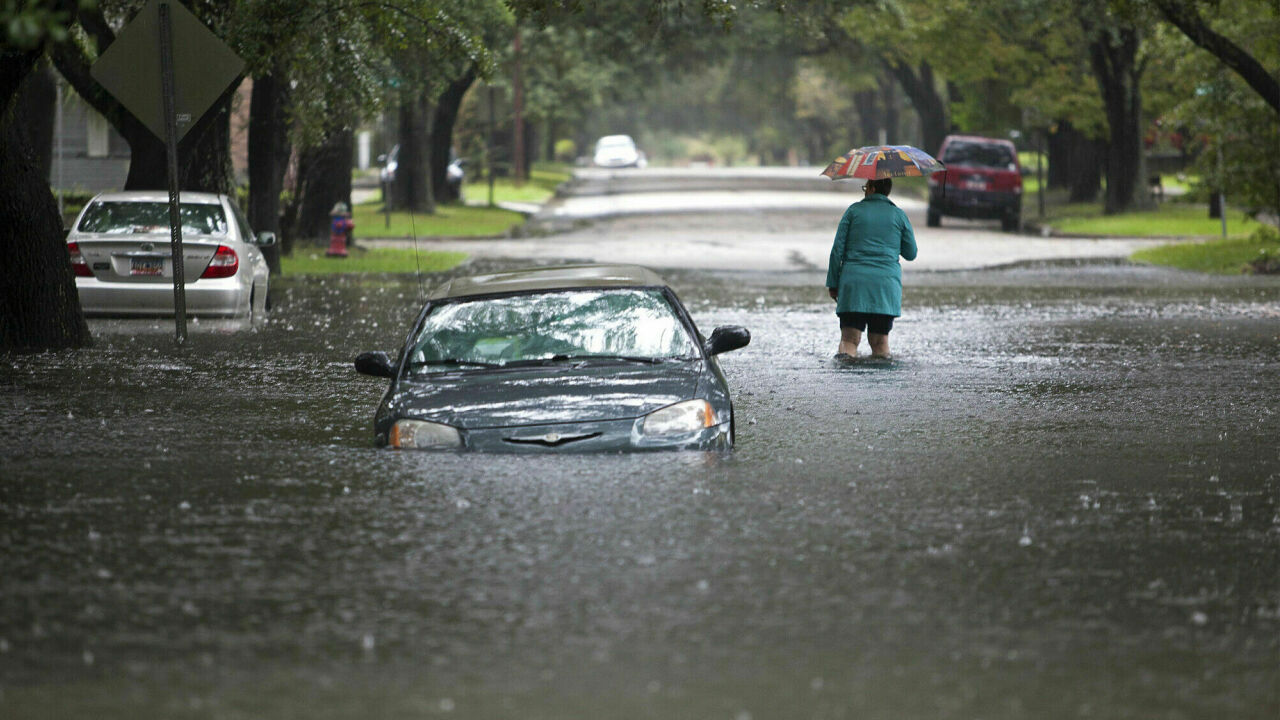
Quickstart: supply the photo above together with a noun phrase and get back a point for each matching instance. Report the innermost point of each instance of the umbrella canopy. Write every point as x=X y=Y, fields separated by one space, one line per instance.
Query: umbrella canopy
x=876 y=162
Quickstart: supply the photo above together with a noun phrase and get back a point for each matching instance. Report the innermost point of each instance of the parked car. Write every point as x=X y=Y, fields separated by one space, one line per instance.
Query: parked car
x=120 y=254
x=983 y=180
x=570 y=358
x=618 y=151
x=454 y=174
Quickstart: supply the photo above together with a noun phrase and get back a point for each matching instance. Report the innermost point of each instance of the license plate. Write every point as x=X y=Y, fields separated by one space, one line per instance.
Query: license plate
x=146 y=266
x=975 y=185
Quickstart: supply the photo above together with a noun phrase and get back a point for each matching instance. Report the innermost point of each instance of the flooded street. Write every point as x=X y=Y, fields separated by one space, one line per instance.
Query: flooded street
x=1060 y=499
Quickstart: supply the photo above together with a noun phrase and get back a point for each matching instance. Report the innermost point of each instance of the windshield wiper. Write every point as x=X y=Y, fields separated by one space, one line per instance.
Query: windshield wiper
x=626 y=358
x=453 y=362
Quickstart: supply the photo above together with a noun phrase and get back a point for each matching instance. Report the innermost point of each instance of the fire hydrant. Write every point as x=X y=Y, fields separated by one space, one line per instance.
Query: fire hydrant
x=340 y=227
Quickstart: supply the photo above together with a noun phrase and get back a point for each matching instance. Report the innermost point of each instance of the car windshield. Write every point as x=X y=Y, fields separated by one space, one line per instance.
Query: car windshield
x=126 y=218
x=633 y=325
x=612 y=143
x=979 y=154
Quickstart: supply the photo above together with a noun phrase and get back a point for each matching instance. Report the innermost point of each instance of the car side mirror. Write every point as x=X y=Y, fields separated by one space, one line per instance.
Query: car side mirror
x=726 y=338
x=266 y=239
x=376 y=363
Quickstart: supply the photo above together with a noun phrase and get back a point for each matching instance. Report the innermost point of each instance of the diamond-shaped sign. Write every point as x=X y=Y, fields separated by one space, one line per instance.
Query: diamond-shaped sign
x=203 y=67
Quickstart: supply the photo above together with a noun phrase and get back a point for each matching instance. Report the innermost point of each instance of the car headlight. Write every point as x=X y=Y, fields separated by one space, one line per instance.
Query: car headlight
x=420 y=434
x=682 y=418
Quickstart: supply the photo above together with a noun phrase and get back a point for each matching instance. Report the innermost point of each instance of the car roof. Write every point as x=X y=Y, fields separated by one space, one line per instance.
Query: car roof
x=541 y=279
x=192 y=198
x=978 y=139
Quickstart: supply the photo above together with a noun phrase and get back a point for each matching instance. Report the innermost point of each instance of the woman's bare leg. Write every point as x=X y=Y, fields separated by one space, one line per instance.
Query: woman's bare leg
x=879 y=344
x=849 y=340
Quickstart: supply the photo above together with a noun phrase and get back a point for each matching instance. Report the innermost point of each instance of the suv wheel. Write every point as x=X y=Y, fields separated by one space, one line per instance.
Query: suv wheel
x=1009 y=221
x=933 y=218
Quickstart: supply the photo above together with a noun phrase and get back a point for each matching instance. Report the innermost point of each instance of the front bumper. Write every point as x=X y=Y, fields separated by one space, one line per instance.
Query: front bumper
x=211 y=298
x=608 y=436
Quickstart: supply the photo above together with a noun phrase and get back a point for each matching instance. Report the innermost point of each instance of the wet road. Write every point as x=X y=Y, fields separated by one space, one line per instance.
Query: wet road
x=1061 y=499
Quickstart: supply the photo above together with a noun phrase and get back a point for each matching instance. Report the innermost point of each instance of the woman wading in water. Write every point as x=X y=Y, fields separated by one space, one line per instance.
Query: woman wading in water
x=863 y=274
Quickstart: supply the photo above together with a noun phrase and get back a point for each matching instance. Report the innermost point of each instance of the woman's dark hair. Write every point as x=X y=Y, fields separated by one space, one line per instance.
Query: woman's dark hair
x=882 y=186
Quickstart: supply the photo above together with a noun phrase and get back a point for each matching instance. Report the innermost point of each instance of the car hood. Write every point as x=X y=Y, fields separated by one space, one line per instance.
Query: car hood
x=545 y=395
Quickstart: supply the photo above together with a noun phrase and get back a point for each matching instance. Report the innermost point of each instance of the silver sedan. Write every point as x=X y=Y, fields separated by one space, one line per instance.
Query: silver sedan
x=120 y=254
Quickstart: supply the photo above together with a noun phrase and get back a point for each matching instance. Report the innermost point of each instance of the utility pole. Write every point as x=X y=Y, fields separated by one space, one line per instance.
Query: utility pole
x=518 y=108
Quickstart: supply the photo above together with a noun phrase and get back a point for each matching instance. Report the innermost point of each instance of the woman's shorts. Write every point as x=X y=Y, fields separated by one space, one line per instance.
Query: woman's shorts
x=873 y=322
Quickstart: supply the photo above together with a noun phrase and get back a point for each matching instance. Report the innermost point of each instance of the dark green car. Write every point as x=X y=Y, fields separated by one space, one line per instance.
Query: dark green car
x=579 y=357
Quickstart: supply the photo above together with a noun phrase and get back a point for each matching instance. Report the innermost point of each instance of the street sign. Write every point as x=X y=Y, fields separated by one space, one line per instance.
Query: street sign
x=166 y=68
x=203 y=67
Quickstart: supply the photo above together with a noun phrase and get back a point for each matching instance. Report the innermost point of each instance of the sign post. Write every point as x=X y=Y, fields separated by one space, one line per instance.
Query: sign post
x=171 y=155
x=167 y=69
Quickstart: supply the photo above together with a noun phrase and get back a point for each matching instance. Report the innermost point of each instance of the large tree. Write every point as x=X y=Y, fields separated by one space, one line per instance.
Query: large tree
x=39 y=308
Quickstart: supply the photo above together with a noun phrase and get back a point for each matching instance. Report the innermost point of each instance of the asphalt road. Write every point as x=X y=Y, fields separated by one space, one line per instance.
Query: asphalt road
x=752 y=219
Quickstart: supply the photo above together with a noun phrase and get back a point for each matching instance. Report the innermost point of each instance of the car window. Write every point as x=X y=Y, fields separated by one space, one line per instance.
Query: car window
x=632 y=323
x=126 y=218
x=246 y=233
x=979 y=154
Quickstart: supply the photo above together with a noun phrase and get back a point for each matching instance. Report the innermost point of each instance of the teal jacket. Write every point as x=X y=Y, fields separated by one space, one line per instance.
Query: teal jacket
x=864 y=265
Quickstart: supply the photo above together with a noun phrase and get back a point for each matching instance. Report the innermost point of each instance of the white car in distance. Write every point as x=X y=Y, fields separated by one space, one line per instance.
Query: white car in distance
x=618 y=151
x=123 y=265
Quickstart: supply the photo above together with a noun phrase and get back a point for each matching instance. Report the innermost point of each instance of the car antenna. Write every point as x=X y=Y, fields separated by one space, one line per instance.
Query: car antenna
x=417 y=263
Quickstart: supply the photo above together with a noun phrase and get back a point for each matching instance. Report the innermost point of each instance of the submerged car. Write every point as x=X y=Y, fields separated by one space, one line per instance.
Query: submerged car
x=618 y=151
x=983 y=181
x=122 y=260
x=570 y=358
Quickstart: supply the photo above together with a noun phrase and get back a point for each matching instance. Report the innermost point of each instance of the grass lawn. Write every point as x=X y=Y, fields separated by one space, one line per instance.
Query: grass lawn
x=1231 y=256
x=544 y=178
x=1169 y=220
x=463 y=220
x=448 y=221
x=312 y=261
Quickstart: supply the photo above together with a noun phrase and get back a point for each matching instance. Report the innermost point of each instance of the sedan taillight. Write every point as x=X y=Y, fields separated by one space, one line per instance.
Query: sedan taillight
x=78 y=266
x=224 y=264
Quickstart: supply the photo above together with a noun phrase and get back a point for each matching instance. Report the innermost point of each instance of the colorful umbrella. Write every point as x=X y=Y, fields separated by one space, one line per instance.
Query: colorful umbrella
x=876 y=162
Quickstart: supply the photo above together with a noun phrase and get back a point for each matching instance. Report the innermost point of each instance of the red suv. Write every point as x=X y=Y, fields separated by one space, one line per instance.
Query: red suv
x=983 y=180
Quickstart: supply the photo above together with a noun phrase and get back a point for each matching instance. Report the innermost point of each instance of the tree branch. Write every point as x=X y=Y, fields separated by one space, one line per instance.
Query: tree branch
x=1186 y=18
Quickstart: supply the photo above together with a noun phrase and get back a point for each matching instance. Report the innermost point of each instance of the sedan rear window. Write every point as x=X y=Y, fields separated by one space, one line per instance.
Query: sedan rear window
x=629 y=324
x=979 y=154
x=128 y=218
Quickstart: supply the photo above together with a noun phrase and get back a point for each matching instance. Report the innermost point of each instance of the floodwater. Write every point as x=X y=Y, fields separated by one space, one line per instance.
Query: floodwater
x=1060 y=499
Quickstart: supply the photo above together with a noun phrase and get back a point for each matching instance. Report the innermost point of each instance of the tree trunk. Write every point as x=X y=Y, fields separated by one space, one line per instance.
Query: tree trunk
x=869 y=118
x=446 y=114
x=932 y=111
x=204 y=155
x=324 y=179
x=37 y=109
x=39 y=307
x=268 y=158
x=1075 y=163
x=412 y=187
x=1113 y=54
x=892 y=117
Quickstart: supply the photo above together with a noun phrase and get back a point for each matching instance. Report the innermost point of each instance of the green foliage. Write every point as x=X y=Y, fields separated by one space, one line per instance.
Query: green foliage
x=30 y=23
x=565 y=150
